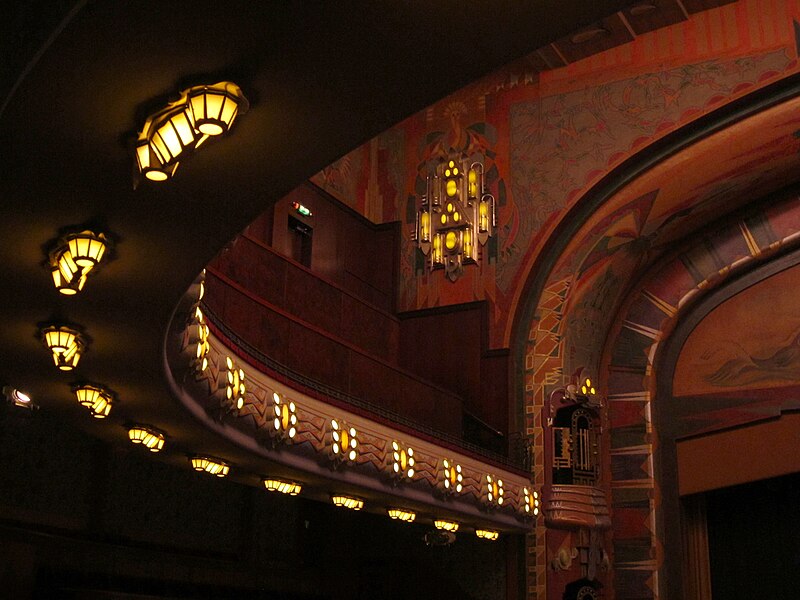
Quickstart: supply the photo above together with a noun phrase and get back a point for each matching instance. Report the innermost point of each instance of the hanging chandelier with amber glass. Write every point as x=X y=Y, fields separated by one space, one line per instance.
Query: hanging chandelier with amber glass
x=456 y=215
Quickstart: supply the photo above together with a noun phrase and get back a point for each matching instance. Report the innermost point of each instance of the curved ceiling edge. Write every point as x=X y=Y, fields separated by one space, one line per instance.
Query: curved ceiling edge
x=258 y=417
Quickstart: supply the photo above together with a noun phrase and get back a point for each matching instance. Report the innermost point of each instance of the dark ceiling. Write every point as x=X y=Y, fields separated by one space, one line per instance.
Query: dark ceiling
x=321 y=77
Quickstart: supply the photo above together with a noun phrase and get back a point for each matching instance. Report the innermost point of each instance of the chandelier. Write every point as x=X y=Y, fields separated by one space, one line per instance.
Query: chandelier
x=456 y=215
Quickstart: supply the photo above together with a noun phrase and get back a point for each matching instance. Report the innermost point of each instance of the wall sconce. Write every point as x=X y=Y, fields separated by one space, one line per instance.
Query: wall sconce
x=493 y=491
x=182 y=126
x=342 y=443
x=487 y=534
x=529 y=506
x=285 y=421
x=149 y=438
x=234 y=388
x=212 y=466
x=74 y=256
x=402 y=461
x=402 y=514
x=197 y=345
x=18 y=398
x=455 y=214
x=450 y=526
x=348 y=502
x=284 y=487
x=450 y=477
x=66 y=344
x=97 y=399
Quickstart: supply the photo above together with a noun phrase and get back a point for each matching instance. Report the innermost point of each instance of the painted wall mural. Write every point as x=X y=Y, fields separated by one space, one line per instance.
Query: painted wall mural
x=751 y=341
x=549 y=137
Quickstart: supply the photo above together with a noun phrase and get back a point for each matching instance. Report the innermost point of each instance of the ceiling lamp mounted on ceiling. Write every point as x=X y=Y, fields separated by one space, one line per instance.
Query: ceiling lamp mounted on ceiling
x=149 y=438
x=348 y=502
x=284 y=487
x=487 y=534
x=74 y=257
x=96 y=398
x=183 y=125
x=401 y=514
x=456 y=215
x=18 y=398
x=212 y=466
x=66 y=344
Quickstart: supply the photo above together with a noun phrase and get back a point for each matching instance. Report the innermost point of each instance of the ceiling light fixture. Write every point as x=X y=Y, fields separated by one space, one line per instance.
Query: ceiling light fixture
x=451 y=526
x=402 y=514
x=487 y=534
x=66 y=344
x=348 y=502
x=18 y=398
x=284 y=487
x=149 y=438
x=97 y=399
x=74 y=256
x=212 y=466
x=455 y=214
x=182 y=126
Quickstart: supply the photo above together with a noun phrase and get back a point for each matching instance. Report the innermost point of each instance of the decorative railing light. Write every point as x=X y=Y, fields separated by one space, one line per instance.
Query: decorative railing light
x=402 y=461
x=183 y=125
x=212 y=466
x=97 y=399
x=342 y=443
x=402 y=514
x=451 y=478
x=450 y=526
x=199 y=338
x=285 y=422
x=348 y=502
x=73 y=257
x=66 y=344
x=234 y=387
x=493 y=492
x=149 y=438
x=283 y=487
x=529 y=505
x=487 y=534
x=456 y=215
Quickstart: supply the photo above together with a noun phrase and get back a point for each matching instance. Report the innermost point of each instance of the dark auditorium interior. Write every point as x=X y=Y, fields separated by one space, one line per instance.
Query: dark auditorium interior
x=370 y=300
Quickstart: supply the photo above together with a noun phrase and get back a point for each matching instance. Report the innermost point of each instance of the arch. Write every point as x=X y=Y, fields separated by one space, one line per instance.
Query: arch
x=554 y=333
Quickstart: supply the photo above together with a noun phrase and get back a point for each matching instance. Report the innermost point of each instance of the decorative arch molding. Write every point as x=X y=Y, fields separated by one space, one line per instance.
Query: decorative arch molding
x=541 y=343
x=670 y=299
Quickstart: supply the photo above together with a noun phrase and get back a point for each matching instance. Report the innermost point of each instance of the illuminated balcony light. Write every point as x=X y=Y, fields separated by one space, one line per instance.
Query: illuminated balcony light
x=284 y=487
x=235 y=388
x=493 y=491
x=285 y=421
x=403 y=461
x=348 y=502
x=211 y=466
x=451 y=478
x=97 y=399
x=343 y=445
x=529 y=506
x=487 y=534
x=149 y=438
x=450 y=526
x=402 y=514
x=65 y=343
